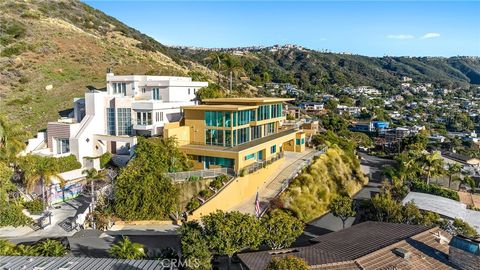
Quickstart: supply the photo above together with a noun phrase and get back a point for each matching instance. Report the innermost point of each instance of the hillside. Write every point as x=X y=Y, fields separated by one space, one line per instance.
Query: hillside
x=313 y=70
x=65 y=46
x=69 y=45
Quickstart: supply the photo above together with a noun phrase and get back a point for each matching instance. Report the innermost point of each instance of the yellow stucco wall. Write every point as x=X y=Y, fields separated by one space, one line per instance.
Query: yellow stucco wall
x=300 y=147
x=181 y=133
x=237 y=191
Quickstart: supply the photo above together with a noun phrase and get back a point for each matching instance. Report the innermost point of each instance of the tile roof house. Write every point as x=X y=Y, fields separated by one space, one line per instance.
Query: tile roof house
x=368 y=245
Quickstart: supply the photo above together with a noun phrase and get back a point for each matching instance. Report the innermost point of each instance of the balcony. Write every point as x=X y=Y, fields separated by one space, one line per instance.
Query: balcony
x=143 y=124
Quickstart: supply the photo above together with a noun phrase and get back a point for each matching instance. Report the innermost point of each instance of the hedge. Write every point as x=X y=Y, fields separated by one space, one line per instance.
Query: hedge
x=419 y=186
x=68 y=163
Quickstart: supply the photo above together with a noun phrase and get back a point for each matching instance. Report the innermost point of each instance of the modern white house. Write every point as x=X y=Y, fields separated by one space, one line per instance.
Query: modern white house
x=108 y=120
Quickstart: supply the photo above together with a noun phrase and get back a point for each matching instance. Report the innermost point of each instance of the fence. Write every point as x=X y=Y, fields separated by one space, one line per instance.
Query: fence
x=210 y=173
x=261 y=164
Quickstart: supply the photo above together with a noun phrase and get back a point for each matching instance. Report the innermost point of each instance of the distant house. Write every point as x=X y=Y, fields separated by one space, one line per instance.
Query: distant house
x=451 y=157
x=373 y=245
x=312 y=107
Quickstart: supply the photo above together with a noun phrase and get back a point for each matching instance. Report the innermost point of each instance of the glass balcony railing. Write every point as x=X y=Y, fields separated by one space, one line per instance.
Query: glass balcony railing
x=144 y=122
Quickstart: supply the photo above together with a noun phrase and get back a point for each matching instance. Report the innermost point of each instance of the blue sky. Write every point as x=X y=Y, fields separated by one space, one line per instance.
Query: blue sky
x=370 y=28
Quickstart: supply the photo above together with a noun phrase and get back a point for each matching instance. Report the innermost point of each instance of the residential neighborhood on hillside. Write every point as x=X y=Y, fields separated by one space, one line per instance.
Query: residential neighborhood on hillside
x=121 y=152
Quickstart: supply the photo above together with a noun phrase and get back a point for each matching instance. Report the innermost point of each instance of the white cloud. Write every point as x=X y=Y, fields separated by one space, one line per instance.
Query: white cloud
x=401 y=36
x=430 y=35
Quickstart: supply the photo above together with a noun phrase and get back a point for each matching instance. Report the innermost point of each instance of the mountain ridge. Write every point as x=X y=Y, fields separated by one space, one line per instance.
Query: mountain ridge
x=50 y=51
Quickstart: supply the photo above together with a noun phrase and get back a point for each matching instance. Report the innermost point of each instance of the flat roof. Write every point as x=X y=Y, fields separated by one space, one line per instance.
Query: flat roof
x=223 y=107
x=445 y=207
x=76 y=263
x=258 y=100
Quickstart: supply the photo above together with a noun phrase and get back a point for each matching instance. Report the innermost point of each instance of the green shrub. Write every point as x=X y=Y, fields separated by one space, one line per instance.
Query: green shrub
x=193 y=204
x=216 y=184
x=105 y=159
x=50 y=248
x=68 y=163
x=222 y=178
x=15 y=49
x=206 y=193
x=11 y=215
x=35 y=207
x=194 y=178
x=463 y=228
x=419 y=186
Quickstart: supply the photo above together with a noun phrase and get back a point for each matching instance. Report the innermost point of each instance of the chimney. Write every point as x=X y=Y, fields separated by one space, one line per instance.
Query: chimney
x=440 y=238
x=464 y=253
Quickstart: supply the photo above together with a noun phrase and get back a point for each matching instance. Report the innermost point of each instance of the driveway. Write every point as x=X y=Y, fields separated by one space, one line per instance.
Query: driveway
x=274 y=184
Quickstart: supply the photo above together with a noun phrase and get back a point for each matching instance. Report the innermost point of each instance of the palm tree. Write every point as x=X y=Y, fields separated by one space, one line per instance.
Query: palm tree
x=232 y=65
x=12 y=139
x=432 y=165
x=43 y=170
x=93 y=175
x=126 y=249
x=452 y=170
x=467 y=180
x=215 y=60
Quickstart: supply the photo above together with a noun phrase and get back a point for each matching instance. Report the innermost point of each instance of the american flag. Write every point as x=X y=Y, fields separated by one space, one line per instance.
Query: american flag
x=257 y=206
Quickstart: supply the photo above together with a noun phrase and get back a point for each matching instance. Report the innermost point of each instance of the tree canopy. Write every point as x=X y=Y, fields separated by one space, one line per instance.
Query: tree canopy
x=281 y=229
x=287 y=263
x=342 y=207
x=231 y=232
x=142 y=190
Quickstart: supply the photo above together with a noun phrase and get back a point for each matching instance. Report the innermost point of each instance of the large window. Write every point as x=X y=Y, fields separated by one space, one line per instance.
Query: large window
x=63 y=146
x=120 y=88
x=269 y=129
x=228 y=138
x=159 y=116
x=111 y=121
x=223 y=162
x=256 y=132
x=214 y=119
x=124 y=121
x=156 y=94
x=244 y=117
x=263 y=112
x=228 y=119
x=144 y=118
x=277 y=110
x=214 y=137
x=273 y=149
x=243 y=135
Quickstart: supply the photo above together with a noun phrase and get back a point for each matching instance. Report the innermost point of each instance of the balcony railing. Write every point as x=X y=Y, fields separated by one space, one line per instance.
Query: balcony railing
x=144 y=122
x=210 y=173
x=260 y=164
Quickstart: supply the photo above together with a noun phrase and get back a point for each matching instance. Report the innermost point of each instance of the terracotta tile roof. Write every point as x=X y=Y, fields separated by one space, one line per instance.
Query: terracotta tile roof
x=426 y=253
x=367 y=245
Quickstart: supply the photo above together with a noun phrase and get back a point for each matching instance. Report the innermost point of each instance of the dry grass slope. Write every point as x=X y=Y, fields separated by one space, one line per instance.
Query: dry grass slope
x=333 y=173
x=41 y=44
